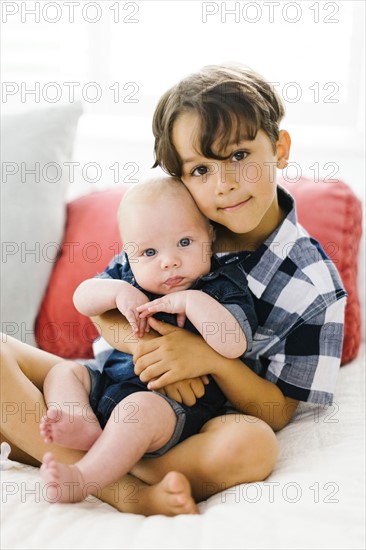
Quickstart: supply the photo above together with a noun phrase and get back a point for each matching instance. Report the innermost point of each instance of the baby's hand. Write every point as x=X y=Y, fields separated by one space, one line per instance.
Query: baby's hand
x=127 y=301
x=171 y=303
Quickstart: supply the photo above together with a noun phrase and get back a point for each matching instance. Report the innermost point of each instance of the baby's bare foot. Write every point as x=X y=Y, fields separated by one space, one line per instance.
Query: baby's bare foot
x=63 y=483
x=171 y=497
x=75 y=431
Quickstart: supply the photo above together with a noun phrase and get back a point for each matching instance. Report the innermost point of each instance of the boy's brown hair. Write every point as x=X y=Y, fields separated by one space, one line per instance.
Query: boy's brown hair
x=231 y=101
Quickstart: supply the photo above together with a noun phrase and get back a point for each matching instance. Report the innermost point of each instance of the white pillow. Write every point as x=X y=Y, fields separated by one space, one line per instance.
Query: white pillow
x=32 y=209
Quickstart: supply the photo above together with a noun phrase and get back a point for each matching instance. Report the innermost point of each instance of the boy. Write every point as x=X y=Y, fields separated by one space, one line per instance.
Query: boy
x=219 y=129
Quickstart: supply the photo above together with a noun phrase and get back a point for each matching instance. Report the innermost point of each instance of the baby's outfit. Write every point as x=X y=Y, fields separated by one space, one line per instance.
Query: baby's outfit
x=227 y=284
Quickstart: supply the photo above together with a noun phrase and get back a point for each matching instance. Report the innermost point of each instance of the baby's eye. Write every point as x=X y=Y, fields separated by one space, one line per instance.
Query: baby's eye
x=199 y=171
x=185 y=242
x=150 y=252
x=239 y=155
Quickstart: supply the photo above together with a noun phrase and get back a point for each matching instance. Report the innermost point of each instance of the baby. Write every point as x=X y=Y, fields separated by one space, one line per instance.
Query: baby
x=167 y=266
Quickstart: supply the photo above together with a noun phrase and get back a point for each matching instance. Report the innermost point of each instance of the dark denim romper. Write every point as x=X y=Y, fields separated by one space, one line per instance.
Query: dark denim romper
x=226 y=283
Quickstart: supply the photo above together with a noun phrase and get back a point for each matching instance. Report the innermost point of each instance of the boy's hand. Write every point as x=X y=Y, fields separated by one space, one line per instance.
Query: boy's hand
x=127 y=301
x=175 y=356
x=186 y=391
x=171 y=303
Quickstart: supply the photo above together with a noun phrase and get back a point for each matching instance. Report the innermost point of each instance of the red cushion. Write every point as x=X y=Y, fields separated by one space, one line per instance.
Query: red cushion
x=332 y=214
x=91 y=239
x=329 y=211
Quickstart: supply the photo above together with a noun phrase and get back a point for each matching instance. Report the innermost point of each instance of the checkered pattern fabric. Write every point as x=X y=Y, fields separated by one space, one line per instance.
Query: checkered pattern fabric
x=300 y=301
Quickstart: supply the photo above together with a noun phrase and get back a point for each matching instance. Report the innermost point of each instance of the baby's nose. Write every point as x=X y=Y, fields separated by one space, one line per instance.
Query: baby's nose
x=169 y=262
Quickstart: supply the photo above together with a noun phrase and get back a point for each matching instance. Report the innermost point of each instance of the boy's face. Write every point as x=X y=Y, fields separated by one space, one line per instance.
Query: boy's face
x=238 y=193
x=168 y=244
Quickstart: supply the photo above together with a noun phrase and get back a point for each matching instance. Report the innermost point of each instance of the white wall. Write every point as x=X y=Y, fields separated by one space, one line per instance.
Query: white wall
x=313 y=50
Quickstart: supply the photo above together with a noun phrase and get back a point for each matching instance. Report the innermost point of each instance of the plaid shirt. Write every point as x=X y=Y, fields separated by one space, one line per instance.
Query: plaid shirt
x=300 y=301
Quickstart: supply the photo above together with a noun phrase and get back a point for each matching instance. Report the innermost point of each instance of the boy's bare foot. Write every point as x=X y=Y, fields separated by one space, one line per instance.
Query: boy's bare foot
x=171 y=497
x=76 y=431
x=63 y=483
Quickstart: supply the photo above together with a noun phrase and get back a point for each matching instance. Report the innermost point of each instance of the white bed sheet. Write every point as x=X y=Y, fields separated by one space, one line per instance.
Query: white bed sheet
x=314 y=499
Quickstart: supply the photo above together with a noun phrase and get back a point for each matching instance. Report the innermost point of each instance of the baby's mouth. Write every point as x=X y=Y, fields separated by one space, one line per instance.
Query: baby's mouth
x=173 y=281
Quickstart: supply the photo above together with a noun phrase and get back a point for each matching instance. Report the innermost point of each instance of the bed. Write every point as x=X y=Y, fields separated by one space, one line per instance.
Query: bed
x=314 y=498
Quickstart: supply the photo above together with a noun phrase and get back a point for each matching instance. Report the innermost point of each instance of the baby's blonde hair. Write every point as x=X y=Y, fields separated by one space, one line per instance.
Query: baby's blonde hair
x=151 y=190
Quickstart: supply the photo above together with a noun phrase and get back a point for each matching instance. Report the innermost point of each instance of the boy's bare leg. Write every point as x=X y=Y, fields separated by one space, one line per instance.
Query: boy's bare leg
x=126 y=437
x=18 y=455
x=230 y=450
x=70 y=420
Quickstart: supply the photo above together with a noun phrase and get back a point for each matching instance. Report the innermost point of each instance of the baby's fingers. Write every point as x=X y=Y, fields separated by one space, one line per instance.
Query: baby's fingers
x=143 y=327
x=145 y=314
x=181 y=319
x=134 y=321
x=143 y=307
x=131 y=319
x=144 y=311
x=153 y=307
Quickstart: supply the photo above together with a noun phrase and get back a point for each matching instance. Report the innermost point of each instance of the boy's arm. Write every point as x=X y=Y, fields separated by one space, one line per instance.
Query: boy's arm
x=302 y=365
x=115 y=329
x=179 y=353
x=213 y=321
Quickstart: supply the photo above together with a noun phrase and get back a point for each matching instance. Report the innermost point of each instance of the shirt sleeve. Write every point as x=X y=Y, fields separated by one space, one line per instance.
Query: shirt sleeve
x=118 y=268
x=305 y=364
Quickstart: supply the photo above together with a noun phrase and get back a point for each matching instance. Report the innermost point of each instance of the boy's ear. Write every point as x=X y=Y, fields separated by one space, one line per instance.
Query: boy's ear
x=283 y=149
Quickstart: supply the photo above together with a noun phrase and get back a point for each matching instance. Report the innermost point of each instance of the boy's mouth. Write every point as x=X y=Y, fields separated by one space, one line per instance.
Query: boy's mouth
x=234 y=207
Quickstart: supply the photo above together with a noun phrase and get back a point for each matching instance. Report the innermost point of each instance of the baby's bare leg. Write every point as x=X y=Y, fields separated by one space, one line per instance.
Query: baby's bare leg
x=70 y=421
x=140 y=423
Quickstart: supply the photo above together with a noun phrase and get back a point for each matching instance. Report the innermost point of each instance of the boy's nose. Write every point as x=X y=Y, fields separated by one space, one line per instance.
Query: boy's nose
x=227 y=178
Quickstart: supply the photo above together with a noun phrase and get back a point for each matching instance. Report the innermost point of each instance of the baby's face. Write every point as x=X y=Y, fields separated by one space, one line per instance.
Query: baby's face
x=168 y=244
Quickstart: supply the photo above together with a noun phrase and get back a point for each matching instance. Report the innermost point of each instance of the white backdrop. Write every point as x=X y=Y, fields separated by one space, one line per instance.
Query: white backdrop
x=118 y=57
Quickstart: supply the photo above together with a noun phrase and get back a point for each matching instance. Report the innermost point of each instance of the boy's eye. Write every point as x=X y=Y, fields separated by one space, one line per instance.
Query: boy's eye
x=239 y=155
x=200 y=171
x=185 y=242
x=150 y=252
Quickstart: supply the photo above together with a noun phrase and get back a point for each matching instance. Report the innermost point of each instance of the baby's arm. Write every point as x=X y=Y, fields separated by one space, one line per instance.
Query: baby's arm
x=96 y=296
x=214 y=322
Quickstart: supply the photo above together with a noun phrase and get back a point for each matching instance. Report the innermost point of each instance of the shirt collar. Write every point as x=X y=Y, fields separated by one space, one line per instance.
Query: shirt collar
x=262 y=265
